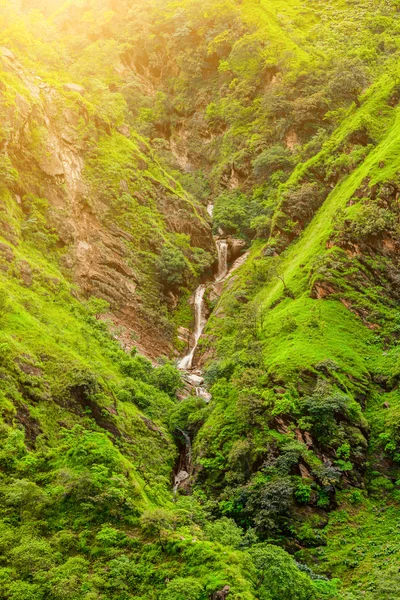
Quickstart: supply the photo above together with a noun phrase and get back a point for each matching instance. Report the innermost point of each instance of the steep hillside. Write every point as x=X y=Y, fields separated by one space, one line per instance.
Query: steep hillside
x=80 y=185
x=304 y=357
x=144 y=147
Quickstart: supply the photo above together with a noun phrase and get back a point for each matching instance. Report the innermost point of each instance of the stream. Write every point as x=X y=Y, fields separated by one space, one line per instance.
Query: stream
x=193 y=377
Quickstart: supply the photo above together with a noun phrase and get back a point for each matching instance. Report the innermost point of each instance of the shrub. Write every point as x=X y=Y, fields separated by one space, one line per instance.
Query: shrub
x=167 y=378
x=273 y=159
x=303 y=493
x=303 y=201
x=137 y=367
x=5 y=305
x=269 y=505
x=8 y=175
x=183 y=588
x=348 y=81
x=231 y=213
x=171 y=267
x=154 y=402
x=324 y=408
x=97 y=306
x=225 y=531
x=278 y=575
x=158 y=524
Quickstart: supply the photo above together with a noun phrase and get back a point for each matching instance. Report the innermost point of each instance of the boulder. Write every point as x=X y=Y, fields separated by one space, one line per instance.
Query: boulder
x=222 y=594
x=74 y=87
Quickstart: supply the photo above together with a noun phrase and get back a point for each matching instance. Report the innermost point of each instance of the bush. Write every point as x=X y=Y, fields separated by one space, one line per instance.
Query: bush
x=302 y=202
x=183 y=588
x=137 y=367
x=225 y=531
x=279 y=577
x=97 y=306
x=325 y=408
x=348 y=81
x=273 y=159
x=269 y=505
x=8 y=175
x=167 y=378
x=151 y=400
x=231 y=213
x=172 y=267
x=5 y=305
x=303 y=493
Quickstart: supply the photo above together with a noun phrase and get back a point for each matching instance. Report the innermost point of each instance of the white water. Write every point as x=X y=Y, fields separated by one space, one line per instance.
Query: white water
x=195 y=379
x=199 y=319
x=202 y=392
x=200 y=322
x=222 y=248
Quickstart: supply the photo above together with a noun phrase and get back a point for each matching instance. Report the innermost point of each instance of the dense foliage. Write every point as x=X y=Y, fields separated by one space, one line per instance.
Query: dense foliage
x=120 y=122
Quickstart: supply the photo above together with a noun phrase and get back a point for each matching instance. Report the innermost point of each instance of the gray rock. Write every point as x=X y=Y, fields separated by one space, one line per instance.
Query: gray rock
x=74 y=87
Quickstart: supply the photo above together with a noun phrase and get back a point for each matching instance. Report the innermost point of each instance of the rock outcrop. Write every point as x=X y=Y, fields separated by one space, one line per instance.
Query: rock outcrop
x=101 y=234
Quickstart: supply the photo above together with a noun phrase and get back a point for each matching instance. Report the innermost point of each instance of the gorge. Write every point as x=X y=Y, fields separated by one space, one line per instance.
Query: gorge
x=199 y=300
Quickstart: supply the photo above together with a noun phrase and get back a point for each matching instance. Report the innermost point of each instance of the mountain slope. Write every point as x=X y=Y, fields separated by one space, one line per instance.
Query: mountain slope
x=304 y=341
x=121 y=123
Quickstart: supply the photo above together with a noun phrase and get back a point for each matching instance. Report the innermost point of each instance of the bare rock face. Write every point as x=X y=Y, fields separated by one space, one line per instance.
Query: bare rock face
x=236 y=247
x=102 y=254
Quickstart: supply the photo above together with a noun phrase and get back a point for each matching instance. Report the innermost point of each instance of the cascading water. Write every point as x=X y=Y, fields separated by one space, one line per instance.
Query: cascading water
x=222 y=248
x=200 y=321
x=194 y=378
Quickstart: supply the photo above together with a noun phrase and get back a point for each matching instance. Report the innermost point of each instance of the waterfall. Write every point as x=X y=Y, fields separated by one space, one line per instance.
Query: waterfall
x=194 y=378
x=200 y=321
x=199 y=324
x=222 y=247
x=188 y=448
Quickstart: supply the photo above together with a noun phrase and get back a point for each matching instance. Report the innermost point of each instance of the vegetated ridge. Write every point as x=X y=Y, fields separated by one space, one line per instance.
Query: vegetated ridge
x=120 y=123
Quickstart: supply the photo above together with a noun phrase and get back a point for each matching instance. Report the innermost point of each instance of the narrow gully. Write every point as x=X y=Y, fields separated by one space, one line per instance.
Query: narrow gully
x=181 y=479
x=195 y=379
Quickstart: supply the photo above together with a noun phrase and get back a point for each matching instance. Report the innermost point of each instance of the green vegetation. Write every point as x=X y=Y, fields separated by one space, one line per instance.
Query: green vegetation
x=120 y=122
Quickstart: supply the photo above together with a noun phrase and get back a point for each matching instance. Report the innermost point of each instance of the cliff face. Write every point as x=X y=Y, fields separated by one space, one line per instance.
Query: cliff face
x=110 y=206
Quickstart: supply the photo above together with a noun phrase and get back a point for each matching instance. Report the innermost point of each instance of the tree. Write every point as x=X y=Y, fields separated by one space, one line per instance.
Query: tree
x=158 y=524
x=269 y=504
x=171 y=267
x=301 y=202
x=277 y=270
x=183 y=588
x=278 y=575
x=276 y=158
x=348 y=81
x=167 y=378
x=225 y=531
x=231 y=213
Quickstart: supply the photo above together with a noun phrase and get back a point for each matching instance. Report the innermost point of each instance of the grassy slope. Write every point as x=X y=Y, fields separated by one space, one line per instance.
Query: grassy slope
x=82 y=344
x=298 y=333
x=86 y=452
